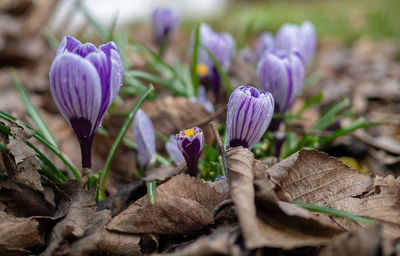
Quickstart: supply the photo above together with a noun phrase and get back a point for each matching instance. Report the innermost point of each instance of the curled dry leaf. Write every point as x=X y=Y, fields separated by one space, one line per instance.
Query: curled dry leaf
x=217 y=243
x=265 y=220
x=18 y=233
x=183 y=205
x=27 y=168
x=314 y=177
x=81 y=228
x=120 y=244
x=365 y=241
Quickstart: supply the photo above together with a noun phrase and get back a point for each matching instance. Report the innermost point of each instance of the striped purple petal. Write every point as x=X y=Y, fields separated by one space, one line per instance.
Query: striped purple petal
x=248 y=116
x=191 y=142
x=283 y=76
x=76 y=88
x=145 y=139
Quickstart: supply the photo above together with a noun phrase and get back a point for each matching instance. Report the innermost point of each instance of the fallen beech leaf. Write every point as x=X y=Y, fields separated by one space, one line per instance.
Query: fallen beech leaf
x=365 y=241
x=120 y=244
x=264 y=219
x=18 y=233
x=81 y=221
x=27 y=168
x=217 y=243
x=314 y=177
x=183 y=205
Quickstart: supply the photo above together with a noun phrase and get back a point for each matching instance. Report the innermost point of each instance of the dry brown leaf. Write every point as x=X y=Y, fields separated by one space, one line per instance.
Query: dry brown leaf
x=183 y=205
x=218 y=243
x=80 y=221
x=18 y=233
x=27 y=168
x=365 y=241
x=264 y=219
x=120 y=244
x=314 y=177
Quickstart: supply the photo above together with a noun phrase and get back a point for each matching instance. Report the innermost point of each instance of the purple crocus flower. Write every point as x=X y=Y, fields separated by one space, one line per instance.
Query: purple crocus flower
x=283 y=76
x=191 y=142
x=165 y=23
x=173 y=150
x=265 y=42
x=291 y=38
x=249 y=114
x=84 y=81
x=145 y=138
x=222 y=47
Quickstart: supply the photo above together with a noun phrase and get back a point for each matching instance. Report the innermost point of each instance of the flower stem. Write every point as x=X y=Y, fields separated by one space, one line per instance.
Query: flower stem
x=102 y=192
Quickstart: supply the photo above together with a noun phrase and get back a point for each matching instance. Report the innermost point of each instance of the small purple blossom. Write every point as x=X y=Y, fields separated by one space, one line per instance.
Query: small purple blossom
x=291 y=38
x=173 y=150
x=84 y=81
x=145 y=138
x=165 y=23
x=283 y=76
x=222 y=46
x=249 y=114
x=191 y=142
x=264 y=43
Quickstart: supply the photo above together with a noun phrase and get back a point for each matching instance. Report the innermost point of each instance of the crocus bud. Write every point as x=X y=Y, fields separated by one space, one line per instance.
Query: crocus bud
x=191 y=142
x=173 y=150
x=84 y=82
x=165 y=23
x=265 y=42
x=222 y=47
x=249 y=114
x=283 y=76
x=145 y=138
x=291 y=38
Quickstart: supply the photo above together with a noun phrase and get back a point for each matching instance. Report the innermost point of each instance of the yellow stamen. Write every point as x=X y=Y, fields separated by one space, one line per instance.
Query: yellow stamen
x=202 y=69
x=189 y=132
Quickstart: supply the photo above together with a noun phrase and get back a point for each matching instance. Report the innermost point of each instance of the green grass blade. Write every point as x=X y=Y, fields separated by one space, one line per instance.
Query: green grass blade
x=155 y=79
x=50 y=38
x=327 y=118
x=151 y=190
x=221 y=72
x=4 y=148
x=118 y=140
x=40 y=138
x=333 y=212
x=311 y=101
x=111 y=31
x=33 y=112
x=193 y=71
x=50 y=175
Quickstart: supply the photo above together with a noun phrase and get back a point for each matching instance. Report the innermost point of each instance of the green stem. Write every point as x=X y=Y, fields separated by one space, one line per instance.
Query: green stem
x=193 y=71
x=118 y=140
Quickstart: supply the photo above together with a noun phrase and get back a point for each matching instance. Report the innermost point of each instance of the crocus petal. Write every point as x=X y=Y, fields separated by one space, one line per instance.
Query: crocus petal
x=68 y=44
x=174 y=151
x=84 y=49
x=273 y=77
x=144 y=137
x=307 y=42
x=265 y=42
x=298 y=75
x=190 y=143
x=248 y=116
x=75 y=85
